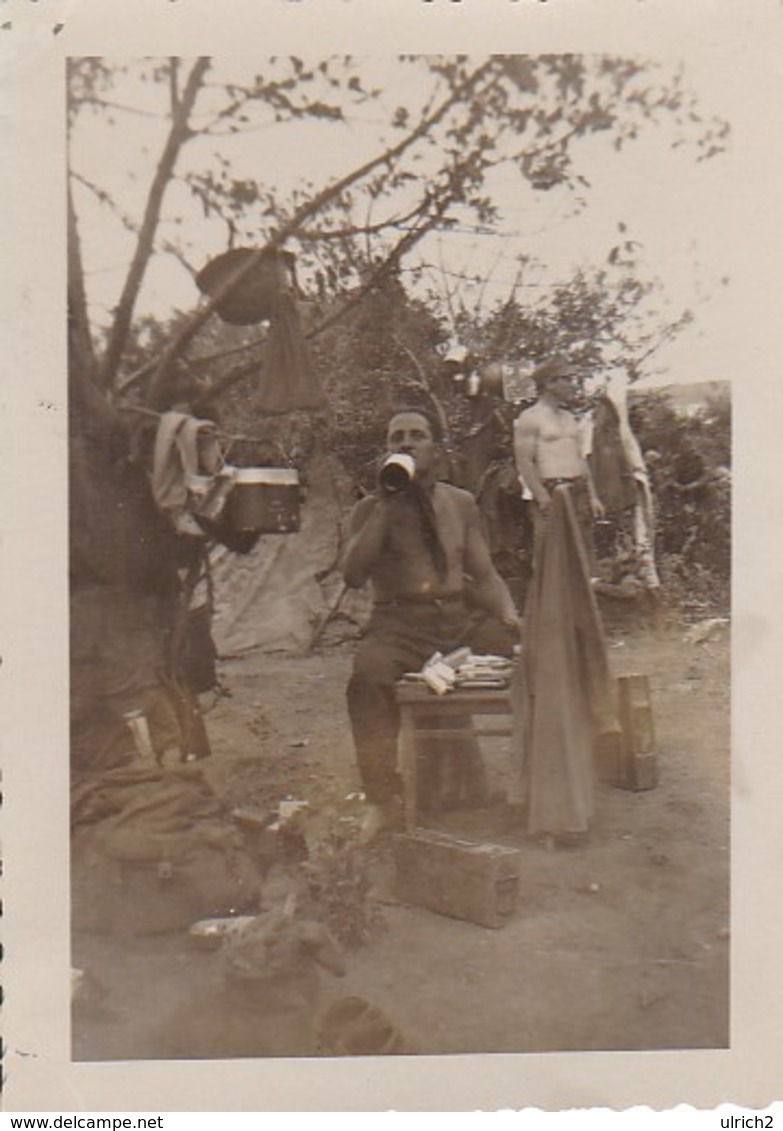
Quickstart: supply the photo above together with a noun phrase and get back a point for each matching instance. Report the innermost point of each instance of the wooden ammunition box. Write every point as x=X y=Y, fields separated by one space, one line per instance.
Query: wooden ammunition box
x=628 y=759
x=459 y=878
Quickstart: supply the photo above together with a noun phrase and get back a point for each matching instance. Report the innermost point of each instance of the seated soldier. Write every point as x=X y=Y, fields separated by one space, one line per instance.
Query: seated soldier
x=422 y=548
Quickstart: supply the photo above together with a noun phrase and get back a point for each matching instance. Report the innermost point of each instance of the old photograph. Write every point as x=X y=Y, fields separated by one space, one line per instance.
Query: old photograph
x=400 y=497
x=390 y=657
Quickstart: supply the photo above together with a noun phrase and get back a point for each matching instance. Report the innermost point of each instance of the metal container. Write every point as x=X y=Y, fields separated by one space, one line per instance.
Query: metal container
x=459 y=878
x=397 y=470
x=266 y=500
x=142 y=739
x=255 y=294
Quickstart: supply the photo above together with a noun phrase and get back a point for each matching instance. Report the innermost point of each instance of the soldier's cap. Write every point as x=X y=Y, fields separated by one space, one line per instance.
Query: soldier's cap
x=551 y=370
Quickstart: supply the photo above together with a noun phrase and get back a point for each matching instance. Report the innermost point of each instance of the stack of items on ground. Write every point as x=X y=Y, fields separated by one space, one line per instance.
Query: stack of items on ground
x=278 y=894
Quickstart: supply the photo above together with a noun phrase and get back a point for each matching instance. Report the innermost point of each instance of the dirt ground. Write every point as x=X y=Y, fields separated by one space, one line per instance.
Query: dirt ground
x=622 y=943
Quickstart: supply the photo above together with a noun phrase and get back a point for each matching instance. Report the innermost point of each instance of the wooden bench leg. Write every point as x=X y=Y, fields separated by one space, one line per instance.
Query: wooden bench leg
x=408 y=766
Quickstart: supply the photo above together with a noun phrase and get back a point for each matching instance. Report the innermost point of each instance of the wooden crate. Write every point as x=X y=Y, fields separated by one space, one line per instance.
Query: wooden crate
x=459 y=878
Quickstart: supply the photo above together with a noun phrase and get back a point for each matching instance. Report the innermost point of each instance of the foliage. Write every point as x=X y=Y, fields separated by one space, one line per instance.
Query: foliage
x=382 y=356
x=601 y=318
x=689 y=459
x=460 y=119
x=205 y=164
x=337 y=873
x=339 y=887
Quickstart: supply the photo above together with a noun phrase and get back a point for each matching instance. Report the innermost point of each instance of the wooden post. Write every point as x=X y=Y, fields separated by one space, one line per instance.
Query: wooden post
x=408 y=765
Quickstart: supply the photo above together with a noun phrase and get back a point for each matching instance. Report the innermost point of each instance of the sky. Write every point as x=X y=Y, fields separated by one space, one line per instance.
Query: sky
x=676 y=209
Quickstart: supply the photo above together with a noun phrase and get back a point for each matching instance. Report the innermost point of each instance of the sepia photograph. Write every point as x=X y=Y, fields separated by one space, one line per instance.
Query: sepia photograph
x=400 y=493
x=390 y=657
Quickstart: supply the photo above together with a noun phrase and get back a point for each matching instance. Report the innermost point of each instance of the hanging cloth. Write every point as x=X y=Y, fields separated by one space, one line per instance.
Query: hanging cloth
x=644 y=512
x=267 y=291
x=175 y=466
x=289 y=381
x=612 y=473
x=563 y=694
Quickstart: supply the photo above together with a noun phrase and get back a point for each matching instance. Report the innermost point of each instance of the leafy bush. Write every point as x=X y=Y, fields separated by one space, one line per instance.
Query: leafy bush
x=689 y=459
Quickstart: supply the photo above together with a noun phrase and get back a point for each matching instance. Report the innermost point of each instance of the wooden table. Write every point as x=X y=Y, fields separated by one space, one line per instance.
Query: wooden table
x=419 y=703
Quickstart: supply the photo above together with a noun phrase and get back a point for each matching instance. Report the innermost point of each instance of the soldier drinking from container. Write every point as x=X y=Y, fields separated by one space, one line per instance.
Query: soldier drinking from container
x=419 y=542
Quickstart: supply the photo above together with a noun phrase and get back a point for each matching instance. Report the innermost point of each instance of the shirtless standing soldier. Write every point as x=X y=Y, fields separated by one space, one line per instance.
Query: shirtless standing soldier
x=547 y=451
x=419 y=546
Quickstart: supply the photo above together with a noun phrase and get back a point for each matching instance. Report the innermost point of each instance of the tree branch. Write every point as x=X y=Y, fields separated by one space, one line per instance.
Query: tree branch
x=174 y=84
x=390 y=155
x=227 y=381
x=165 y=246
x=666 y=335
x=404 y=245
x=103 y=197
x=77 y=297
x=107 y=104
x=315 y=235
x=178 y=134
x=157 y=390
x=148 y=366
x=87 y=404
x=236 y=375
